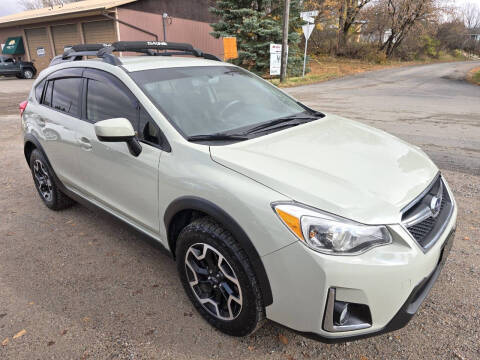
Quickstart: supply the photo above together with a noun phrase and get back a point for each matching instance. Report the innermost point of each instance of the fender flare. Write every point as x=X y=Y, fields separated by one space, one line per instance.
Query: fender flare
x=207 y=207
x=32 y=139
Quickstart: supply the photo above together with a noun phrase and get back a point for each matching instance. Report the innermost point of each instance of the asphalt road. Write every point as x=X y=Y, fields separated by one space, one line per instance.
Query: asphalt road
x=79 y=284
x=430 y=106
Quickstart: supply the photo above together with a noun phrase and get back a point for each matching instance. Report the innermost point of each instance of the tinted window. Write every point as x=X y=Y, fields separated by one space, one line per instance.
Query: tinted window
x=66 y=95
x=39 y=91
x=9 y=60
x=47 y=99
x=106 y=100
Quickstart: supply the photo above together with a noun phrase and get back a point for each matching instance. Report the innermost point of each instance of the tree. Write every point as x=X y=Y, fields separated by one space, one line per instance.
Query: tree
x=37 y=4
x=347 y=15
x=402 y=16
x=471 y=16
x=257 y=24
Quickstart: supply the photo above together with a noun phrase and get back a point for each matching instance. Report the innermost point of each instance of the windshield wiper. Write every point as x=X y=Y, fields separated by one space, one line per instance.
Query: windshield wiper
x=292 y=120
x=217 y=136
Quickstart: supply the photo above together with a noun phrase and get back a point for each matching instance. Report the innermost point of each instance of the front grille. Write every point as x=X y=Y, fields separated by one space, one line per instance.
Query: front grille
x=427 y=231
x=422 y=229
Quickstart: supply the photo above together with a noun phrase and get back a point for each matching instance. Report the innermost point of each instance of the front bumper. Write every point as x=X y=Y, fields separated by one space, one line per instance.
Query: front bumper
x=392 y=280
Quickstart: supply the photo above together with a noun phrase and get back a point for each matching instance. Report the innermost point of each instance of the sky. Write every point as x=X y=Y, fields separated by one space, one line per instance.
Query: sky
x=8 y=7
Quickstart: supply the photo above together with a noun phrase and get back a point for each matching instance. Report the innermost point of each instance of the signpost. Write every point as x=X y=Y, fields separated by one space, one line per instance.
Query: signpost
x=309 y=17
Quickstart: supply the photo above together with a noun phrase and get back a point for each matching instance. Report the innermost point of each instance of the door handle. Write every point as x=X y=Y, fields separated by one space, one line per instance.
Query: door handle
x=85 y=143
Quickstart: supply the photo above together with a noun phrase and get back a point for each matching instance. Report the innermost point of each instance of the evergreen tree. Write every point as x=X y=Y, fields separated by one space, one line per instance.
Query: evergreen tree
x=257 y=24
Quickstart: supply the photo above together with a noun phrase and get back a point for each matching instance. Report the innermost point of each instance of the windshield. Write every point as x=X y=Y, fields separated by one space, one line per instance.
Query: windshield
x=213 y=99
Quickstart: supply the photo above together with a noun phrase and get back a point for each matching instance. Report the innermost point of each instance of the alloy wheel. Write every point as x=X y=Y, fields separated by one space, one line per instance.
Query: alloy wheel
x=42 y=180
x=213 y=281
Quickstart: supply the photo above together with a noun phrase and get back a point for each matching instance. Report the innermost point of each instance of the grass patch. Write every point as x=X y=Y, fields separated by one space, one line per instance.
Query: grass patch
x=327 y=68
x=474 y=76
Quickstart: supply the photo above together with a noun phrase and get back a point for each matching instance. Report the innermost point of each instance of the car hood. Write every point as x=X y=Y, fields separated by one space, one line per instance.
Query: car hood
x=336 y=165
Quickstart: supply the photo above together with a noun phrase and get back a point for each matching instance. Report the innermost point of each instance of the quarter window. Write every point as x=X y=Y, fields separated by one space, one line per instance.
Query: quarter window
x=39 y=91
x=65 y=95
x=47 y=99
x=107 y=101
x=148 y=131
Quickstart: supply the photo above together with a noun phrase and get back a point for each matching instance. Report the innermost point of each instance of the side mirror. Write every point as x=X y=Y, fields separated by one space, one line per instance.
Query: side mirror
x=118 y=130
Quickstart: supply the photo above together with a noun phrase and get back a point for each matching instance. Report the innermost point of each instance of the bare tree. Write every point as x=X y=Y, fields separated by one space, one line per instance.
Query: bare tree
x=402 y=15
x=37 y=4
x=347 y=15
x=471 y=15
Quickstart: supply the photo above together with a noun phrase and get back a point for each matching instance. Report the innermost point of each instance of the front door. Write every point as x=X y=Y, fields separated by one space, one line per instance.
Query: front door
x=109 y=174
x=9 y=66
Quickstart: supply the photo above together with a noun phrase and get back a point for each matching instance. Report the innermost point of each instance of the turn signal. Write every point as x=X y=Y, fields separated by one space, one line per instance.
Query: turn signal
x=292 y=222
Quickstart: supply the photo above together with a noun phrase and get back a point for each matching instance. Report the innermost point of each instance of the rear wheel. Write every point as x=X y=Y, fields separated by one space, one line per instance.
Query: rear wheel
x=27 y=73
x=43 y=178
x=218 y=278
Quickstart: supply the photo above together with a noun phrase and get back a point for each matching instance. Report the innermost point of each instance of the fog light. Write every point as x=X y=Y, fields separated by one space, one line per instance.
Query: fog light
x=345 y=316
x=341 y=313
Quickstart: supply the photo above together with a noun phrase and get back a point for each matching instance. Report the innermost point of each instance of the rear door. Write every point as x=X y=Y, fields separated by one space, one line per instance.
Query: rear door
x=109 y=173
x=57 y=118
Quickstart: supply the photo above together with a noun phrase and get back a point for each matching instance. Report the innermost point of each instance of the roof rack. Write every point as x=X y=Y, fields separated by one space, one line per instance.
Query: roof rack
x=150 y=48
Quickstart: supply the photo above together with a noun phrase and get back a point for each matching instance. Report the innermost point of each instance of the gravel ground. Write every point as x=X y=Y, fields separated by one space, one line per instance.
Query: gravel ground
x=79 y=284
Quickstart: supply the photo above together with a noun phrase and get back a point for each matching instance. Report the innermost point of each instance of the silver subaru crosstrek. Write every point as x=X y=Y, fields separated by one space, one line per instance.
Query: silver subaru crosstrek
x=270 y=209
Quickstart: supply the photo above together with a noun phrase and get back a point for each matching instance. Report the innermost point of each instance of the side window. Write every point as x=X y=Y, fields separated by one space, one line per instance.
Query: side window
x=47 y=98
x=107 y=100
x=9 y=61
x=65 y=95
x=39 y=90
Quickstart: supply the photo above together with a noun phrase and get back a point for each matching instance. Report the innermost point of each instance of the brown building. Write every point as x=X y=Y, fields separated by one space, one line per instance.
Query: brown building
x=47 y=32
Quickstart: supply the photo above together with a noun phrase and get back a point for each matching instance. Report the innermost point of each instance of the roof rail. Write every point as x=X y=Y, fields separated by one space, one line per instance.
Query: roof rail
x=104 y=51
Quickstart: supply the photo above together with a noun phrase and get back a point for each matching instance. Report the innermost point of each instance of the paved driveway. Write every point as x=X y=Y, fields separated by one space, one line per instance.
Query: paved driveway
x=85 y=286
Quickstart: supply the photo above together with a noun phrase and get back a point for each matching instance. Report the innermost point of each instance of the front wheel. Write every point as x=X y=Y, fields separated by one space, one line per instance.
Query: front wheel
x=218 y=278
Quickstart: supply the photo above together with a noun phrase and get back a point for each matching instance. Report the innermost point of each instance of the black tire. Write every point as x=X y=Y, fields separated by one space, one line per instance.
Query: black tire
x=28 y=73
x=44 y=180
x=206 y=232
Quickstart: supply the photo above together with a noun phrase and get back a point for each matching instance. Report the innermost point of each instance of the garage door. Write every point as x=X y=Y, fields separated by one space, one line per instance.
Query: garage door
x=65 y=35
x=99 y=32
x=39 y=47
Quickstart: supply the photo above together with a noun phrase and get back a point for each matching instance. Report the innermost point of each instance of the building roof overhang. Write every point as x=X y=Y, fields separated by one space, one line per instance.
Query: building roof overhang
x=62 y=12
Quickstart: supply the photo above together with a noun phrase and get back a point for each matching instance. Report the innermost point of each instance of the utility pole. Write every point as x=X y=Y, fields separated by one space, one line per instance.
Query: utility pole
x=286 y=16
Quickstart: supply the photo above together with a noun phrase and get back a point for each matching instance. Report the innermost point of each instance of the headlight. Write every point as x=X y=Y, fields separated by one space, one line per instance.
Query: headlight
x=328 y=233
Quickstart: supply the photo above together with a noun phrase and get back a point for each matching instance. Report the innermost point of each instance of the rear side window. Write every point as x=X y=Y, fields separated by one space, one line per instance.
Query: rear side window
x=66 y=95
x=105 y=101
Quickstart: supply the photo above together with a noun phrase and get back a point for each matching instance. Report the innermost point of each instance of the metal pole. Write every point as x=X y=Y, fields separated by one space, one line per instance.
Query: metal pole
x=286 y=16
x=164 y=17
x=305 y=56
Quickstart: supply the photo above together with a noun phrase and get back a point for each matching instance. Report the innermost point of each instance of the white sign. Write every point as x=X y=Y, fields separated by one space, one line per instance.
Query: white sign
x=275 y=59
x=307 y=30
x=41 y=51
x=309 y=16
